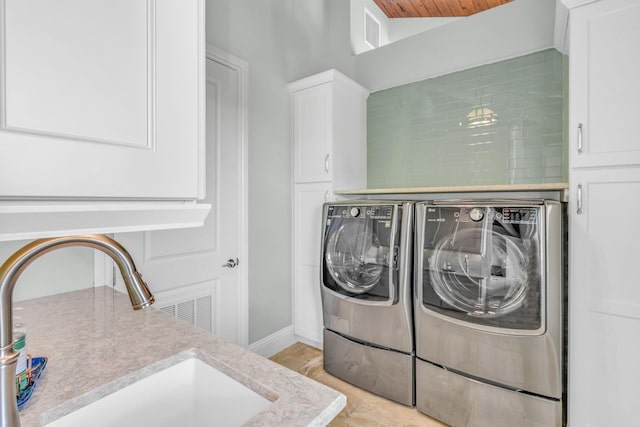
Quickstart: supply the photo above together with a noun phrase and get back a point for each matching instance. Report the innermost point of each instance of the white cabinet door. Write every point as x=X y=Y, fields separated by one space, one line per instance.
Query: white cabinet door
x=349 y=151
x=604 y=297
x=604 y=89
x=308 y=201
x=329 y=130
x=312 y=124
x=102 y=99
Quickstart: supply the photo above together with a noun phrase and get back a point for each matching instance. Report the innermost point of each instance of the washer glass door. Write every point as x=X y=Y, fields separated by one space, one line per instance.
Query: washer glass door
x=359 y=251
x=482 y=265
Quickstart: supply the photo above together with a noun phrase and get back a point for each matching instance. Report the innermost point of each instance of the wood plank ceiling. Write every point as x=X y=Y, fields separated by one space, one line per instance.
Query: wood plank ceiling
x=435 y=8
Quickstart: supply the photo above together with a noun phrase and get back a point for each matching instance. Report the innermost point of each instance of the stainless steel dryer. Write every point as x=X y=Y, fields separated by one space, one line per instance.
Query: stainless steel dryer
x=489 y=312
x=366 y=296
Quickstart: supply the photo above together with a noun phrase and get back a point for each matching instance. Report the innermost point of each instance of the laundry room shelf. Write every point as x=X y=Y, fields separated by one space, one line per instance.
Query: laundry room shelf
x=561 y=187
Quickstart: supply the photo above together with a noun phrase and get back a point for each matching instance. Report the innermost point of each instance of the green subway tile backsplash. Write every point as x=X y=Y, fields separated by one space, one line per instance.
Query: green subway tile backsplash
x=500 y=123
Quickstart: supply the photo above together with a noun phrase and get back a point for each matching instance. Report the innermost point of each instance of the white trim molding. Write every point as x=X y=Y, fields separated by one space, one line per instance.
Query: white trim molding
x=242 y=68
x=274 y=343
x=575 y=3
x=33 y=220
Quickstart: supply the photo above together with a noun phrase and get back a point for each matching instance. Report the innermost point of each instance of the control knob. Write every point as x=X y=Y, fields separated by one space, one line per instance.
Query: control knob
x=476 y=214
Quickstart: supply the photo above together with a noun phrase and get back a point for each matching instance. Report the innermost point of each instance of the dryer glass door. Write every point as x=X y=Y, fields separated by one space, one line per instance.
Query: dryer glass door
x=483 y=265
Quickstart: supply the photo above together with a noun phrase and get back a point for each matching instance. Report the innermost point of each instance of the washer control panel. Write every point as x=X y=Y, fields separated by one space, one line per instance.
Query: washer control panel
x=384 y=212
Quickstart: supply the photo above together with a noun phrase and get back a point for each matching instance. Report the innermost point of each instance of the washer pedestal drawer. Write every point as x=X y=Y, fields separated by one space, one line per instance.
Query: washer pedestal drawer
x=460 y=401
x=384 y=372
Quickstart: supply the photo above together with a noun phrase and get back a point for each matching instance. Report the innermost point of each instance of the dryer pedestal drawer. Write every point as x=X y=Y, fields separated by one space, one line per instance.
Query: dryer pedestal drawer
x=383 y=372
x=460 y=401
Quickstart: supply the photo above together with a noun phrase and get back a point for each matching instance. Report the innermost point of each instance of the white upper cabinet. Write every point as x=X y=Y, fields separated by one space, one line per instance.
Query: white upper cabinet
x=101 y=106
x=312 y=134
x=102 y=99
x=604 y=89
x=329 y=130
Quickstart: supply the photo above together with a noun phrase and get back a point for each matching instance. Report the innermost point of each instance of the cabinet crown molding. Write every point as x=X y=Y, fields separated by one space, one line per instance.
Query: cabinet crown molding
x=575 y=3
x=34 y=220
x=332 y=75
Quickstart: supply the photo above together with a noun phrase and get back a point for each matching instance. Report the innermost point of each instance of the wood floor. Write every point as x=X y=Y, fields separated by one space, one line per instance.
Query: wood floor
x=363 y=408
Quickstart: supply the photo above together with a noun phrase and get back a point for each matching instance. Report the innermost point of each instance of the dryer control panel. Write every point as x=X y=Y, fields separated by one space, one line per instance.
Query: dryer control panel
x=518 y=215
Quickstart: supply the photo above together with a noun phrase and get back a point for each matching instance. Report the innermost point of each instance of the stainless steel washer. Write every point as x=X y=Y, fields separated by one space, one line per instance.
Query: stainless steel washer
x=489 y=312
x=366 y=296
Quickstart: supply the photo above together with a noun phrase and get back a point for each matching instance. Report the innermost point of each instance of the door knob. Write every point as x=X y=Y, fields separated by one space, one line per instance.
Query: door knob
x=231 y=263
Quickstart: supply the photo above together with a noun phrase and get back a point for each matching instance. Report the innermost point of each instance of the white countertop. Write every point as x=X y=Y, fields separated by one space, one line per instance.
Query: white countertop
x=93 y=338
x=561 y=186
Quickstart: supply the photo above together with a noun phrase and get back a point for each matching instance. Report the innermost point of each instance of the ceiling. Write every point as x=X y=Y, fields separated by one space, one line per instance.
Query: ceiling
x=435 y=8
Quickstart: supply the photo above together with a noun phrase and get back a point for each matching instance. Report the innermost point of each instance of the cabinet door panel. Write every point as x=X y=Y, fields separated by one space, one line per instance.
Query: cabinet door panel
x=604 y=299
x=603 y=84
x=61 y=83
x=308 y=201
x=101 y=99
x=312 y=133
x=604 y=239
x=604 y=371
x=308 y=313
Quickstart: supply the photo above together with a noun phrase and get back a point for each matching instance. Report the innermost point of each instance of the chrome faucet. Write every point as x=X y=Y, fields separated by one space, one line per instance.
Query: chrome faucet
x=139 y=294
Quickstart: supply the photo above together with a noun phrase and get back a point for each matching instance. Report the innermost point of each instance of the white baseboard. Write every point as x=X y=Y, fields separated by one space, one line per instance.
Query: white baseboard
x=307 y=341
x=274 y=343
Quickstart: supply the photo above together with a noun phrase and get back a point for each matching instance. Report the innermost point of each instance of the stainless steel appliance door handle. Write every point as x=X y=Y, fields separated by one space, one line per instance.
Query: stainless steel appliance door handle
x=579 y=138
x=579 y=200
x=326 y=163
x=231 y=263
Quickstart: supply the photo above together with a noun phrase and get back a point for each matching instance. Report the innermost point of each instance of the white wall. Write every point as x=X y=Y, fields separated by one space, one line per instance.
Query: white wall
x=63 y=270
x=511 y=30
x=391 y=29
x=356 y=15
x=249 y=30
x=282 y=40
x=401 y=28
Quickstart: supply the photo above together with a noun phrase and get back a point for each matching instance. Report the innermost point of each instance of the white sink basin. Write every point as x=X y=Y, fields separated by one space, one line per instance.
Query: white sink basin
x=187 y=394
